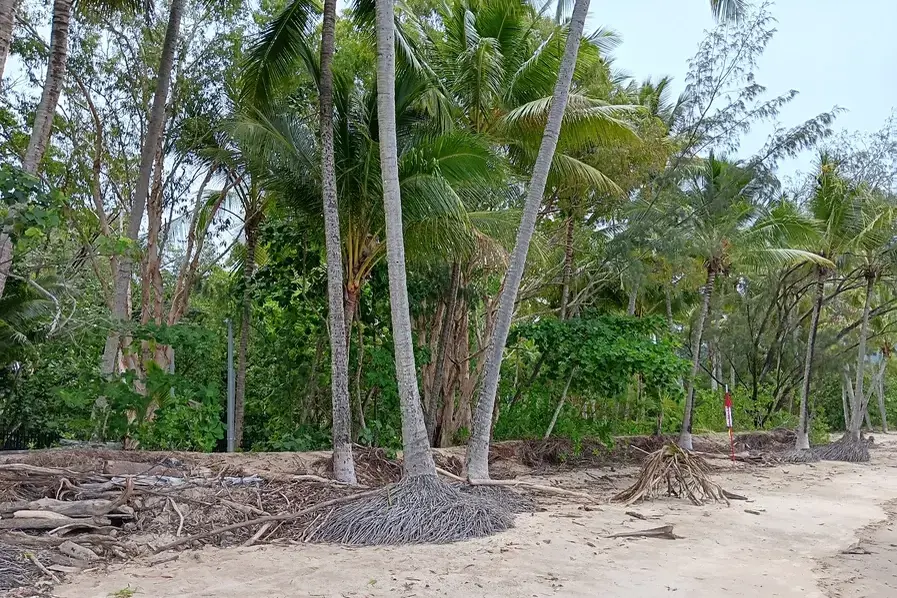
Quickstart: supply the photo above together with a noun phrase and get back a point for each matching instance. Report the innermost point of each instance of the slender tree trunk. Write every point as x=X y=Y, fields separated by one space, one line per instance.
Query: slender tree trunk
x=7 y=22
x=343 y=463
x=858 y=403
x=418 y=459
x=803 y=426
x=845 y=405
x=557 y=411
x=46 y=109
x=445 y=335
x=568 y=266
x=251 y=231
x=880 y=388
x=633 y=297
x=477 y=461
x=147 y=155
x=668 y=303
x=685 y=435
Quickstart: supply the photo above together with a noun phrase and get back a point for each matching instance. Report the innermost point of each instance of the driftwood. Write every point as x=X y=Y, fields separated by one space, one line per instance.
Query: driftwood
x=665 y=532
x=38 y=515
x=48 y=524
x=76 y=551
x=266 y=519
x=23 y=539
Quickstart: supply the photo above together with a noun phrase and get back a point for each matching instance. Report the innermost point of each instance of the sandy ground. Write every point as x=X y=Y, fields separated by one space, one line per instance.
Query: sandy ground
x=803 y=517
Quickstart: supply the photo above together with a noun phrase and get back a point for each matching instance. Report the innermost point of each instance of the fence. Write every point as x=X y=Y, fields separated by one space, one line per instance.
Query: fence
x=19 y=440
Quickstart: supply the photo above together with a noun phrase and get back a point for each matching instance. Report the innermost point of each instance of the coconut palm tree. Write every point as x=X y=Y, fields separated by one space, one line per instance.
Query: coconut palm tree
x=7 y=21
x=726 y=224
x=836 y=205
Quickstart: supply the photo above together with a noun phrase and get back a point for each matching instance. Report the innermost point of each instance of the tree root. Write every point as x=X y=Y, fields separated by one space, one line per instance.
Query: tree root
x=844 y=449
x=416 y=510
x=684 y=474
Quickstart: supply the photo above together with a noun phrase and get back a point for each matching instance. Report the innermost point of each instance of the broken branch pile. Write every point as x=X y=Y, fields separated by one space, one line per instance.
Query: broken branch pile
x=681 y=473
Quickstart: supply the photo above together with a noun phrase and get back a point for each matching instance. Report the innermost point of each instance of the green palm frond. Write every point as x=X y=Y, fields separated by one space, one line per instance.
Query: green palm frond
x=568 y=172
x=275 y=52
x=728 y=9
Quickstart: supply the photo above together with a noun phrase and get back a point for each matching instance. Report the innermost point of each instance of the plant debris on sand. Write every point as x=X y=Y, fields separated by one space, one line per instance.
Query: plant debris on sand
x=416 y=510
x=681 y=472
x=845 y=449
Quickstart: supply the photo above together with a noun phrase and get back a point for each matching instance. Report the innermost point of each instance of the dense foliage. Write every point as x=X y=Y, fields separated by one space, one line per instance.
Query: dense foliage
x=665 y=267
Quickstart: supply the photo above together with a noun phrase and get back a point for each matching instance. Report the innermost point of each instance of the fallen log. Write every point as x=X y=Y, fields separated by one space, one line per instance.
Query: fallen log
x=38 y=515
x=76 y=551
x=29 y=541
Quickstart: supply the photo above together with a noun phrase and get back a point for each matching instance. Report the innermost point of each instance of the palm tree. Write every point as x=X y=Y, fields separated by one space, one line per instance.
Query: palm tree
x=7 y=21
x=477 y=461
x=876 y=254
x=417 y=460
x=835 y=205
x=478 y=446
x=728 y=224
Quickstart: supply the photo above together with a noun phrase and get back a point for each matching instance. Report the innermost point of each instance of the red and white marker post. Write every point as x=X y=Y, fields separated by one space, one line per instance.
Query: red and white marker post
x=727 y=405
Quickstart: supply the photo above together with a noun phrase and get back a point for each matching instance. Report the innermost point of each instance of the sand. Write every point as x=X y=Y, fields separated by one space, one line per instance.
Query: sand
x=803 y=517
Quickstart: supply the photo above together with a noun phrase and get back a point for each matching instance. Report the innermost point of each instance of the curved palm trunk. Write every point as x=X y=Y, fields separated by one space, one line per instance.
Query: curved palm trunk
x=477 y=461
x=147 y=155
x=880 y=391
x=245 y=327
x=858 y=406
x=803 y=426
x=418 y=460
x=343 y=463
x=7 y=21
x=685 y=435
x=46 y=109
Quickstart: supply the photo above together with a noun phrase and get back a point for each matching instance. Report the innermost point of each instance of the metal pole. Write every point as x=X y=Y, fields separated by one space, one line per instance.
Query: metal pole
x=230 y=386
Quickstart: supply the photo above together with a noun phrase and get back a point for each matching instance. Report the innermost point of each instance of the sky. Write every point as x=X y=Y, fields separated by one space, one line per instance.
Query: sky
x=835 y=53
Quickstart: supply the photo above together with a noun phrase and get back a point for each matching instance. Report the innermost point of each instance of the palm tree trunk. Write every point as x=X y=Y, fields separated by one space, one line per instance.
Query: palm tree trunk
x=343 y=463
x=477 y=461
x=858 y=406
x=633 y=297
x=147 y=156
x=7 y=21
x=568 y=267
x=46 y=109
x=445 y=335
x=685 y=435
x=245 y=321
x=844 y=405
x=418 y=459
x=803 y=426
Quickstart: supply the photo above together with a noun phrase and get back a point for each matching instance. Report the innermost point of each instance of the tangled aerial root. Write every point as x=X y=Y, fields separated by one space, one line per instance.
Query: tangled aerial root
x=683 y=474
x=416 y=510
x=507 y=498
x=844 y=449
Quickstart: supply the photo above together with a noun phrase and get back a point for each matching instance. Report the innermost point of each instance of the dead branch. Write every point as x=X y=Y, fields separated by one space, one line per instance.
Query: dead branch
x=665 y=532
x=517 y=484
x=266 y=519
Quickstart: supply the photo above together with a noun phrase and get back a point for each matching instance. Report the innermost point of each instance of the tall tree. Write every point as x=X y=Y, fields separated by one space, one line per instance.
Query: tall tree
x=343 y=464
x=147 y=158
x=477 y=461
x=417 y=458
x=7 y=22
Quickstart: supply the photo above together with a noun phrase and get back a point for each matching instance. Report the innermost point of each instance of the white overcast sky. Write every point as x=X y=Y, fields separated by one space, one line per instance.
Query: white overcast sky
x=833 y=52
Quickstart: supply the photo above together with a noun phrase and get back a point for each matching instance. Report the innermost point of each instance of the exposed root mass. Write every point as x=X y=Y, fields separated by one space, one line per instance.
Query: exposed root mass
x=844 y=449
x=800 y=456
x=681 y=473
x=416 y=510
x=15 y=569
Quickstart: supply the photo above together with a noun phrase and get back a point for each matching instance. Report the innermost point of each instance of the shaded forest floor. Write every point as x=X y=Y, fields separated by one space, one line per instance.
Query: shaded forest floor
x=810 y=530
